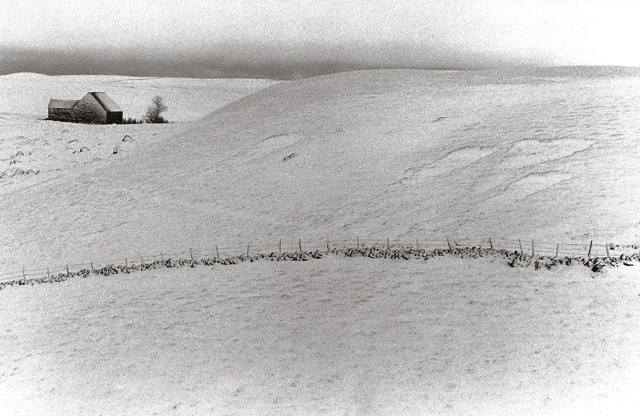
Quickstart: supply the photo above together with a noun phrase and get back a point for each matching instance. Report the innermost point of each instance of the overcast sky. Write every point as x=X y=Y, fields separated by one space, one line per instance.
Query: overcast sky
x=297 y=38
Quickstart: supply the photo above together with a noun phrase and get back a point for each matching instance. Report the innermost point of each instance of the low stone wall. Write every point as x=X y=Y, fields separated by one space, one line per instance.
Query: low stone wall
x=511 y=258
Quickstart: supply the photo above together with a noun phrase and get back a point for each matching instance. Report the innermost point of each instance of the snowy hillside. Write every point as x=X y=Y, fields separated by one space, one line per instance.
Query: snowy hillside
x=336 y=336
x=35 y=151
x=549 y=154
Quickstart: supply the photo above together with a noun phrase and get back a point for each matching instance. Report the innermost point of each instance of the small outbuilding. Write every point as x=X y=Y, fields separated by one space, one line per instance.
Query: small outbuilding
x=94 y=108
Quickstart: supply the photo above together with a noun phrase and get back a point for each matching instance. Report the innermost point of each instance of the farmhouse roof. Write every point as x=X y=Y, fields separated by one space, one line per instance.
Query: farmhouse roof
x=53 y=103
x=105 y=101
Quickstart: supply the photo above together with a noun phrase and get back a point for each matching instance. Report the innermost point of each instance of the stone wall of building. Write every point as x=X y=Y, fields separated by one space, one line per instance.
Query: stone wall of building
x=89 y=110
x=60 y=114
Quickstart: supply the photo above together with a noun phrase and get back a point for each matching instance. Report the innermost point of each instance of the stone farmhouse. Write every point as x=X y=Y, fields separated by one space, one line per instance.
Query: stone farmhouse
x=94 y=108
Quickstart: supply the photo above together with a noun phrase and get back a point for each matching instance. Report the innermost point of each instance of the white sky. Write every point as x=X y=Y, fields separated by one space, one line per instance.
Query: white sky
x=290 y=36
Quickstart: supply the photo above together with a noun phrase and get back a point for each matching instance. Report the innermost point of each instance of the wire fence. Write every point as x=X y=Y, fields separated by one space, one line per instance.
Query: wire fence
x=528 y=247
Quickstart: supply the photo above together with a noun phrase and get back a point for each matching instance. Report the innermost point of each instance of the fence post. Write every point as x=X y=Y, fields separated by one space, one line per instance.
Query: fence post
x=92 y=271
x=490 y=244
x=557 y=248
x=388 y=247
x=161 y=259
x=141 y=261
x=217 y=252
x=449 y=243
x=191 y=253
x=357 y=242
x=67 y=270
x=328 y=249
x=126 y=265
x=520 y=243
x=533 y=249
x=280 y=247
x=247 y=250
x=300 y=245
x=607 y=246
x=590 y=245
x=417 y=245
x=48 y=275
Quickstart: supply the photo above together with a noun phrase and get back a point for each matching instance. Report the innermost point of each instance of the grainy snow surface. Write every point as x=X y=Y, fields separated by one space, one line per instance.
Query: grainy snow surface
x=550 y=154
x=333 y=336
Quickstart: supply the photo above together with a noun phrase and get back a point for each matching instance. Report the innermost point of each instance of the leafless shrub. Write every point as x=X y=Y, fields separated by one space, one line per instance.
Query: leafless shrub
x=155 y=110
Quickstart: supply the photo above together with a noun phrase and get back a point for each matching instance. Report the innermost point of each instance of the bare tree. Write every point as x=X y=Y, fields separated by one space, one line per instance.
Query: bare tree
x=154 y=111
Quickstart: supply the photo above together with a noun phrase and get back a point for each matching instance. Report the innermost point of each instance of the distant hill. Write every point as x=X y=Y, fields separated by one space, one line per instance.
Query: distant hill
x=188 y=99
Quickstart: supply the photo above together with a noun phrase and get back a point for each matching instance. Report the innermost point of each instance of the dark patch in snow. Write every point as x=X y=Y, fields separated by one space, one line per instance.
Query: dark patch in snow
x=291 y=156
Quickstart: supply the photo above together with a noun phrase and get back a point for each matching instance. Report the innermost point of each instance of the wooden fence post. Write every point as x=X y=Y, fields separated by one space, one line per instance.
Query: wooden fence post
x=92 y=271
x=67 y=270
x=191 y=253
x=557 y=249
x=280 y=247
x=48 y=275
x=607 y=246
x=300 y=245
x=217 y=252
x=520 y=243
x=490 y=244
x=357 y=242
x=388 y=246
x=590 y=245
x=533 y=249
x=449 y=243
x=141 y=261
x=248 y=250
x=161 y=259
x=126 y=265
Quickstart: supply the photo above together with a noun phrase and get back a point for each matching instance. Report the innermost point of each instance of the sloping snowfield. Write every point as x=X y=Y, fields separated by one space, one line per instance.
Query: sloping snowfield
x=549 y=154
x=336 y=336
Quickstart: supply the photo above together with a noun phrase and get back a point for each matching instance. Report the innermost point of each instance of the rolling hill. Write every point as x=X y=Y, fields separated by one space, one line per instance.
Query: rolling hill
x=547 y=154
x=529 y=153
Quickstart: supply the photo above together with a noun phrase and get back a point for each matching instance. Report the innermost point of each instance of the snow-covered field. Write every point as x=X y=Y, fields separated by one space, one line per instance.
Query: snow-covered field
x=336 y=336
x=549 y=154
